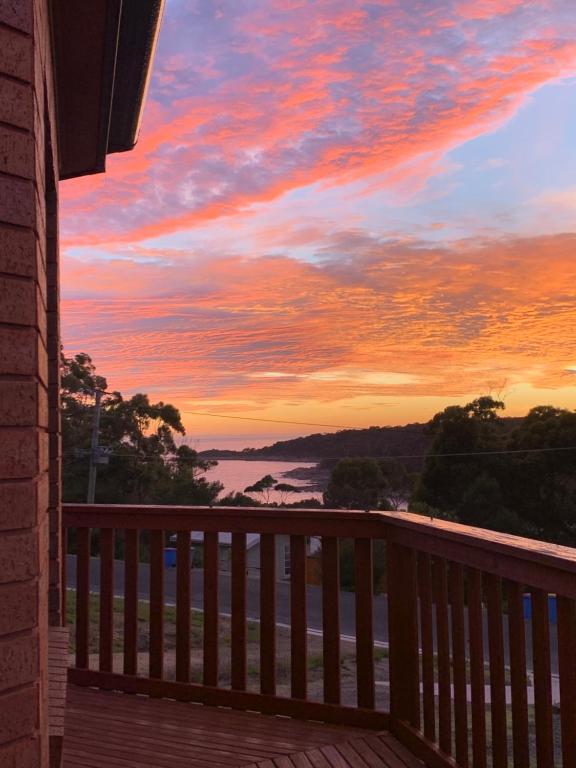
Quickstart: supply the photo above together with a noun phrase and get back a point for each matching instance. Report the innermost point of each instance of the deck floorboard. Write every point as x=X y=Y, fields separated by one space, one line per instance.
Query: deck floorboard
x=108 y=729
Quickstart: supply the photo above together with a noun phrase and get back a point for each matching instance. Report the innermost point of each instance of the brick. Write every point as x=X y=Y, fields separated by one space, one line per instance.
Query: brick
x=18 y=714
x=18 y=302
x=18 y=661
x=18 y=556
x=16 y=55
x=17 y=607
x=43 y=452
x=19 y=452
x=16 y=152
x=22 y=404
x=17 y=199
x=18 y=351
x=17 y=13
x=18 y=252
x=24 y=753
x=18 y=504
x=16 y=103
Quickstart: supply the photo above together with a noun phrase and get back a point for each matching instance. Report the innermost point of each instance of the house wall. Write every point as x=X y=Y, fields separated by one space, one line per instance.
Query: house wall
x=28 y=266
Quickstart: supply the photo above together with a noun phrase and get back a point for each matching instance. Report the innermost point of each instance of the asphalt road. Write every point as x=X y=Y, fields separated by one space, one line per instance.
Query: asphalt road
x=313 y=597
x=314 y=603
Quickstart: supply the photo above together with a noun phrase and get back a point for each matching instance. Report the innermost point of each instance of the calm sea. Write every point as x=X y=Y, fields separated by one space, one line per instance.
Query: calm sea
x=237 y=475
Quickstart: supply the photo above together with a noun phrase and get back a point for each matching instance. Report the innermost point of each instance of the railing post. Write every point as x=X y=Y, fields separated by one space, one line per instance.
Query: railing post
x=403 y=635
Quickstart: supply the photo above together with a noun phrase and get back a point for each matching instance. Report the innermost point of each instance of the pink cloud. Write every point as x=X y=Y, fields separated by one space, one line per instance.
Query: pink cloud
x=267 y=97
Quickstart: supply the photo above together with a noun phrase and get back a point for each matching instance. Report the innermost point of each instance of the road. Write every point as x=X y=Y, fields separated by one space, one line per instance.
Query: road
x=313 y=597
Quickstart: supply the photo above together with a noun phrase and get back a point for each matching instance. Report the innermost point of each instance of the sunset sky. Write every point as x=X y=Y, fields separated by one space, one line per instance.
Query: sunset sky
x=339 y=212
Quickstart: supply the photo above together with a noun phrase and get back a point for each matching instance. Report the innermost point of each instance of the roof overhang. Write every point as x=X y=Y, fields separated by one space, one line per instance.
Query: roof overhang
x=103 y=51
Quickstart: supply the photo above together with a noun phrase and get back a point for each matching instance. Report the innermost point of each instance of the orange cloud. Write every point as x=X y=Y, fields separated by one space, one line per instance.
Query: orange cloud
x=382 y=320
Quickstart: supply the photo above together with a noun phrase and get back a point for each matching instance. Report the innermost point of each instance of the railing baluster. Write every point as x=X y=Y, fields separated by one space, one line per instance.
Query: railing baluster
x=363 y=570
x=427 y=642
x=493 y=587
x=238 y=639
x=211 y=568
x=156 y=662
x=82 y=597
x=440 y=585
x=298 y=639
x=459 y=663
x=542 y=681
x=567 y=671
x=106 y=599
x=518 y=682
x=131 y=602
x=476 y=630
x=403 y=634
x=183 y=606
x=268 y=614
x=331 y=618
x=64 y=576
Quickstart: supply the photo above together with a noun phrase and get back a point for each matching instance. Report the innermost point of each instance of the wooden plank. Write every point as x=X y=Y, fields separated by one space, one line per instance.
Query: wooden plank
x=363 y=570
x=156 y=661
x=518 y=681
x=427 y=645
x=298 y=629
x=131 y=557
x=106 y=643
x=82 y=597
x=331 y=618
x=440 y=586
x=403 y=635
x=475 y=631
x=398 y=748
x=220 y=697
x=493 y=586
x=64 y=576
x=268 y=614
x=542 y=679
x=183 y=606
x=459 y=663
x=238 y=622
x=567 y=671
x=351 y=755
x=300 y=522
x=210 y=672
x=423 y=749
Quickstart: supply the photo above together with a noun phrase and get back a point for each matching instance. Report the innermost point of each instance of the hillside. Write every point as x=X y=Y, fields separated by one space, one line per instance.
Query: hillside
x=408 y=440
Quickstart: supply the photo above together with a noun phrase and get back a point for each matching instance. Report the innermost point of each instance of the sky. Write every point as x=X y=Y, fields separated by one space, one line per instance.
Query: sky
x=339 y=213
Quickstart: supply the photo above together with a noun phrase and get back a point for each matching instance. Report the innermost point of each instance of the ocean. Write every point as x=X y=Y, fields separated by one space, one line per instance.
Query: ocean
x=236 y=475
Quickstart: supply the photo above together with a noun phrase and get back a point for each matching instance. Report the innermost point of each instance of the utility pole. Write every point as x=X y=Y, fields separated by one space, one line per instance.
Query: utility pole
x=94 y=447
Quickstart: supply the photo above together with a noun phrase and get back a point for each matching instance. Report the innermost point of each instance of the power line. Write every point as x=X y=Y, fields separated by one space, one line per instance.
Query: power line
x=337 y=458
x=269 y=421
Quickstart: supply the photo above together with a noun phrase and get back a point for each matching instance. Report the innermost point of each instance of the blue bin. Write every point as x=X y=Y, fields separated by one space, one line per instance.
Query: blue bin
x=552 y=607
x=170 y=557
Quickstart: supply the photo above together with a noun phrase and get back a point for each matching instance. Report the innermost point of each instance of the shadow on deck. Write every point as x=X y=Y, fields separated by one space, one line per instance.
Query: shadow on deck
x=106 y=729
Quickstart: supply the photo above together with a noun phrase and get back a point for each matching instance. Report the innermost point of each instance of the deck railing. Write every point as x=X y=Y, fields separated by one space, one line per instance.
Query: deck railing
x=460 y=675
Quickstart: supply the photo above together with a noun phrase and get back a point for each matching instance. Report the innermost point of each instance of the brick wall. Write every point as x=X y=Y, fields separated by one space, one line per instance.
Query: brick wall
x=28 y=338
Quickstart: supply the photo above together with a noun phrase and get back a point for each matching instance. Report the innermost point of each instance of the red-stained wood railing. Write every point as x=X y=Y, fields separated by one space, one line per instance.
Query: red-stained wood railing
x=473 y=681
x=112 y=662
x=483 y=682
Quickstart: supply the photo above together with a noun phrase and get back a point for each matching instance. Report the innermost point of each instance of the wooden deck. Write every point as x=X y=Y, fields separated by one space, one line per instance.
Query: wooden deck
x=117 y=730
